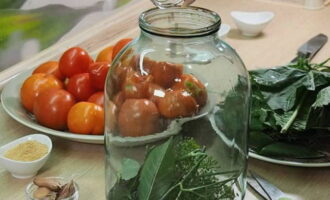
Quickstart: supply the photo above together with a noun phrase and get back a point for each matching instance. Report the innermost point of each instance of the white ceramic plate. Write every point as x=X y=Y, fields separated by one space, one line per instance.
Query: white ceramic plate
x=11 y=103
x=289 y=163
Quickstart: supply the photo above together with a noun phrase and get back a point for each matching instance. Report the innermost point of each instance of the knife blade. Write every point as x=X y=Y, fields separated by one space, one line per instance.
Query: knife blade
x=311 y=47
x=271 y=191
x=256 y=187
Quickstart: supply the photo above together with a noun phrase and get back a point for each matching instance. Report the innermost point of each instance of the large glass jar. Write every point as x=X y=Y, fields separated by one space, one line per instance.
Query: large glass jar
x=177 y=111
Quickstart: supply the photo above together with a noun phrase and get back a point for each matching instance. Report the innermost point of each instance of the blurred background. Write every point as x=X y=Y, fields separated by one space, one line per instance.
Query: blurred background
x=28 y=26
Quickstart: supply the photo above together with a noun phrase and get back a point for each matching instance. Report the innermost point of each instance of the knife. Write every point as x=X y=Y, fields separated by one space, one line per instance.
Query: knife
x=311 y=47
x=264 y=188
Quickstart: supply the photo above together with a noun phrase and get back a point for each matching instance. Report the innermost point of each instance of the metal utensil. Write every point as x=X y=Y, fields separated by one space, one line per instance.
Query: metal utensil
x=311 y=47
x=264 y=188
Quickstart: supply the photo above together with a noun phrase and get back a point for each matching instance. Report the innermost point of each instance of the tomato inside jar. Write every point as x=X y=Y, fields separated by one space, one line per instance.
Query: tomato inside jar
x=150 y=94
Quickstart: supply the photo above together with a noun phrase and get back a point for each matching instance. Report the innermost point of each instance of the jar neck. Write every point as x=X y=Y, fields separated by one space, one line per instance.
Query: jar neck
x=148 y=37
x=177 y=22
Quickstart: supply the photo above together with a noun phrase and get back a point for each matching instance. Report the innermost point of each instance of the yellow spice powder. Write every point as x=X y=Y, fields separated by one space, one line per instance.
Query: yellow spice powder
x=27 y=151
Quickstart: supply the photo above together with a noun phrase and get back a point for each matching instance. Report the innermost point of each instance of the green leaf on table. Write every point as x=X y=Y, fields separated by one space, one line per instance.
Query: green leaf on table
x=257 y=140
x=280 y=149
x=322 y=98
x=158 y=171
x=261 y=115
x=289 y=97
x=130 y=168
x=277 y=77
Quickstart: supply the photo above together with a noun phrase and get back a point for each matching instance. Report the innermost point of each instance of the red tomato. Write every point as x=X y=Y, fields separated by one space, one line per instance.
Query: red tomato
x=98 y=72
x=120 y=73
x=194 y=86
x=97 y=98
x=51 y=108
x=86 y=118
x=118 y=99
x=138 y=117
x=50 y=67
x=105 y=55
x=113 y=113
x=74 y=61
x=35 y=84
x=119 y=46
x=165 y=74
x=177 y=103
x=155 y=92
x=80 y=86
x=136 y=85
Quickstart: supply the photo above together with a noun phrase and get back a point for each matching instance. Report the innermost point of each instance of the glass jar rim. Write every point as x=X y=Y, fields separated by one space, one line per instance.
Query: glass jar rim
x=180 y=22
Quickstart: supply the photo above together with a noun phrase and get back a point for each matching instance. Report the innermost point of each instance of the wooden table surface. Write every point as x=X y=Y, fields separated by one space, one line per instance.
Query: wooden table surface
x=277 y=45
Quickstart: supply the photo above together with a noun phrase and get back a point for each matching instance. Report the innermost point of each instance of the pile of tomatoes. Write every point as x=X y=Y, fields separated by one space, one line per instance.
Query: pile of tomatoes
x=147 y=97
x=68 y=94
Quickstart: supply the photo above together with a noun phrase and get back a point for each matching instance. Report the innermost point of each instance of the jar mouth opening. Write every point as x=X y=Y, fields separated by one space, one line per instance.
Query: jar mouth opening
x=180 y=22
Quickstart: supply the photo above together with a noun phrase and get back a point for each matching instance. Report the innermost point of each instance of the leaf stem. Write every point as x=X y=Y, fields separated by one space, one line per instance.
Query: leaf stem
x=294 y=114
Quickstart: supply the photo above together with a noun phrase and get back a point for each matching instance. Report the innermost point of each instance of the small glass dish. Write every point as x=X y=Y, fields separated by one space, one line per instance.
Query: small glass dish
x=31 y=188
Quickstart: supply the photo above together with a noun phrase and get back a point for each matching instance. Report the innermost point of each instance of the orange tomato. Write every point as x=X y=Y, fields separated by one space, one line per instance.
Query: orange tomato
x=50 y=67
x=119 y=45
x=177 y=103
x=105 y=55
x=97 y=98
x=194 y=86
x=138 y=117
x=35 y=84
x=86 y=118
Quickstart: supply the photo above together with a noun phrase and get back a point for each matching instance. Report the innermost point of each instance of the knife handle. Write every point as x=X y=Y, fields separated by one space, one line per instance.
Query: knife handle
x=308 y=56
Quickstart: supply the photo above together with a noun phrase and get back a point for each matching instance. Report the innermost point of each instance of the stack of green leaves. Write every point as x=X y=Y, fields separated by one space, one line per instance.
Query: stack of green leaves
x=289 y=103
x=177 y=169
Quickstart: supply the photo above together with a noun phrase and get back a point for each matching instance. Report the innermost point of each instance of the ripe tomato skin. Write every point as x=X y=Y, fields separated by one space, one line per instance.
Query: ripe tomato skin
x=51 y=108
x=119 y=99
x=177 y=103
x=98 y=72
x=155 y=92
x=165 y=74
x=119 y=45
x=105 y=55
x=35 y=84
x=74 y=61
x=86 y=118
x=194 y=86
x=112 y=110
x=80 y=86
x=97 y=98
x=50 y=67
x=136 y=85
x=138 y=117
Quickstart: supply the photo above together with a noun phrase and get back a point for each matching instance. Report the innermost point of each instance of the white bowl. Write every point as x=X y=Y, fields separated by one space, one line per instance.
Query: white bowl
x=251 y=23
x=22 y=169
x=223 y=31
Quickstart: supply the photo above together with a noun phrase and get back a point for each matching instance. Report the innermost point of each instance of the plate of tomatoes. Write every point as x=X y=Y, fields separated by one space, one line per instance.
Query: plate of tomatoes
x=63 y=98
